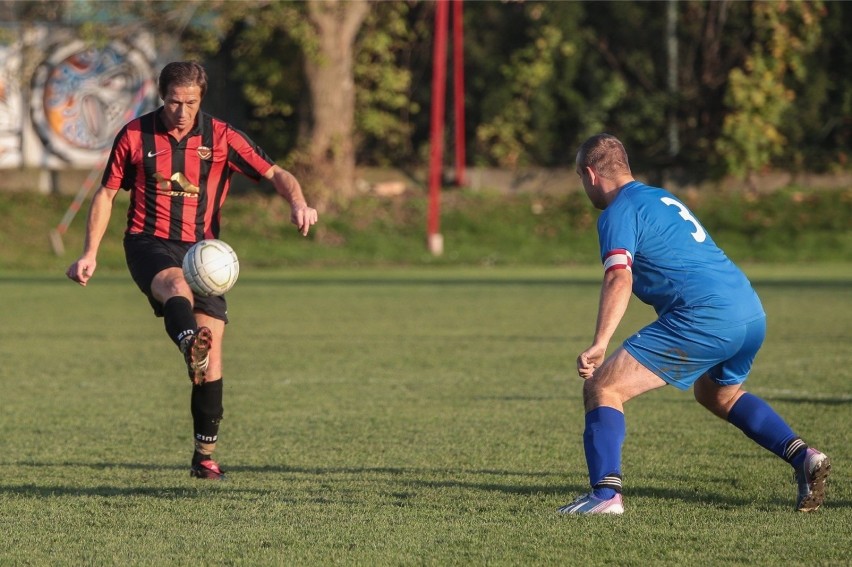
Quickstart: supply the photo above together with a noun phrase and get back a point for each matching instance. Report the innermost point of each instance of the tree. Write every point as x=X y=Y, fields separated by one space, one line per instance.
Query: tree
x=384 y=131
x=513 y=135
x=818 y=124
x=276 y=51
x=760 y=93
x=326 y=83
x=329 y=70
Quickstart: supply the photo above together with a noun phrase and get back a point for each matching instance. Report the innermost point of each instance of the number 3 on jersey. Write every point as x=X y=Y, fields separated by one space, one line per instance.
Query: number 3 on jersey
x=699 y=235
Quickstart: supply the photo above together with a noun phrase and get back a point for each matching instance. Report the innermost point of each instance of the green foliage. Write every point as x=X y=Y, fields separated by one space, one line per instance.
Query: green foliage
x=384 y=86
x=793 y=224
x=751 y=135
x=508 y=135
x=621 y=79
x=526 y=98
x=759 y=84
x=480 y=228
x=817 y=125
x=399 y=417
x=760 y=94
x=264 y=46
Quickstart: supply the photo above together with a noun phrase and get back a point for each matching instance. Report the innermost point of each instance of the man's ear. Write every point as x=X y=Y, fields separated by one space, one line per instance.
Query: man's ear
x=593 y=175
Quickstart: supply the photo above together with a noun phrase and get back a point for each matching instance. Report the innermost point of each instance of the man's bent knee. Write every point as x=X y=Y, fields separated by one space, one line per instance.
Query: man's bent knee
x=718 y=399
x=170 y=283
x=620 y=378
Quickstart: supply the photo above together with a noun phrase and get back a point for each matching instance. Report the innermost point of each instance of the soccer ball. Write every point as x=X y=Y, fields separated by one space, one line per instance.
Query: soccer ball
x=211 y=267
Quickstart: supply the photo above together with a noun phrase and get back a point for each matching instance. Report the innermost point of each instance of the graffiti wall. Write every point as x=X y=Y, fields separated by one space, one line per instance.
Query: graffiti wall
x=11 y=106
x=65 y=112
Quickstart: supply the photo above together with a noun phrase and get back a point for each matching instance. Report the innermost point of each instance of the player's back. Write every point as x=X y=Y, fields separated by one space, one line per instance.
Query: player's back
x=676 y=264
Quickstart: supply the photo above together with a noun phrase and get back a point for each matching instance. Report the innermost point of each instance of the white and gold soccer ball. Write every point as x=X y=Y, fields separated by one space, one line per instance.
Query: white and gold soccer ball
x=211 y=267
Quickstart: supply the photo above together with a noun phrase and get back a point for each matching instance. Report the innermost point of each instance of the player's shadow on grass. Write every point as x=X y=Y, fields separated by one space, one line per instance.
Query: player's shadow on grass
x=425 y=477
x=725 y=501
x=410 y=479
x=198 y=490
x=392 y=476
x=817 y=400
x=699 y=497
x=392 y=280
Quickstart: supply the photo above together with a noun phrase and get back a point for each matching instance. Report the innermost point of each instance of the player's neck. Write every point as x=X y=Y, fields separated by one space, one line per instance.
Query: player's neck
x=623 y=180
x=176 y=130
x=179 y=134
x=612 y=187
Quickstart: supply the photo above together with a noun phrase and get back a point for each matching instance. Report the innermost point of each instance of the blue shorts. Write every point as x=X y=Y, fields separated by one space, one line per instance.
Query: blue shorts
x=681 y=353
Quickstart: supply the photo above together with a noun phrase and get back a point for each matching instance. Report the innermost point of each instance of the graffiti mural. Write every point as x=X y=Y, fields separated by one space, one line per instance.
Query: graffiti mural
x=11 y=105
x=81 y=96
x=62 y=101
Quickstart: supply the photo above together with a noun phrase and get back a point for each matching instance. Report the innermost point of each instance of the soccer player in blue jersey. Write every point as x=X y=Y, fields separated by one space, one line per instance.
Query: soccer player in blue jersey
x=710 y=326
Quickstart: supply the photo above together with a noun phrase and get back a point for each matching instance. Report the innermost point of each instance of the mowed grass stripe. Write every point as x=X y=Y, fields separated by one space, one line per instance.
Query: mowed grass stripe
x=397 y=417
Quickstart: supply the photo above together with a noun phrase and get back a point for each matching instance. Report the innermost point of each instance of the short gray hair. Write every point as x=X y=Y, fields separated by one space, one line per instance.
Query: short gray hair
x=606 y=154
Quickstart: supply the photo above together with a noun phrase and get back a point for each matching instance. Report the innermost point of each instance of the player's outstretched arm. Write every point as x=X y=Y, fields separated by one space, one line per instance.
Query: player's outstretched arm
x=288 y=187
x=99 y=213
x=616 y=290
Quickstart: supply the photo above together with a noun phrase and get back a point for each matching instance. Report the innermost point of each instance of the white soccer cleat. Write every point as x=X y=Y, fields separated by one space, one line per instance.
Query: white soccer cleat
x=588 y=504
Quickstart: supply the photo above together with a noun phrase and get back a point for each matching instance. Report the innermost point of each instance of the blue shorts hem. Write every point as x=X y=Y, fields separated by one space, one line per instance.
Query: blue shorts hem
x=647 y=364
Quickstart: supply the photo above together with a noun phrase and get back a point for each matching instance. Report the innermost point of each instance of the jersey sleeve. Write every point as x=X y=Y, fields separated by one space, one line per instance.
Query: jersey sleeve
x=618 y=235
x=117 y=165
x=245 y=156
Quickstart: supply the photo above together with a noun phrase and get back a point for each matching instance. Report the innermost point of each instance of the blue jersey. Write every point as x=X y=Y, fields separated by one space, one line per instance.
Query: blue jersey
x=676 y=266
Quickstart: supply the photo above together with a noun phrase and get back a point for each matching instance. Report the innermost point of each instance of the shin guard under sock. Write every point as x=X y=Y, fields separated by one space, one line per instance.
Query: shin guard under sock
x=179 y=319
x=207 y=412
x=764 y=426
x=602 y=441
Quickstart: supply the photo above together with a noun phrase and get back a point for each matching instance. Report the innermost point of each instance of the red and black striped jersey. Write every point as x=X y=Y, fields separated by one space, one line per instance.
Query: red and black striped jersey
x=177 y=189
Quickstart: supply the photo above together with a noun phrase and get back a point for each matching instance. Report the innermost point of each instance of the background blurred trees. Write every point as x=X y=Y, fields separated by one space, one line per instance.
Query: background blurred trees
x=761 y=94
x=758 y=84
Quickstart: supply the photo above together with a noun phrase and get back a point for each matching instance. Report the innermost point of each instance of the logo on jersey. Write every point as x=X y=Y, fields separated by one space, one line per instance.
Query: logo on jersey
x=176 y=186
x=204 y=152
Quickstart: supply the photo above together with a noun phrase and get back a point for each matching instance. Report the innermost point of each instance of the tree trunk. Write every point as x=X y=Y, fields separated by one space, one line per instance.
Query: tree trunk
x=330 y=76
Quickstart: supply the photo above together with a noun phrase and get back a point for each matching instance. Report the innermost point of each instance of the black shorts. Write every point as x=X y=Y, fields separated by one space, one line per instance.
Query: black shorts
x=148 y=255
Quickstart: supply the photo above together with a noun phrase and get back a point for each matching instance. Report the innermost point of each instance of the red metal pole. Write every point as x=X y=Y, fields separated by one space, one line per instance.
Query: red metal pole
x=439 y=87
x=458 y=90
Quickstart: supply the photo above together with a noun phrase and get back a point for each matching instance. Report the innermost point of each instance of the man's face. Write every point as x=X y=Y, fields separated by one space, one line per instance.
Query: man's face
x=180 y=107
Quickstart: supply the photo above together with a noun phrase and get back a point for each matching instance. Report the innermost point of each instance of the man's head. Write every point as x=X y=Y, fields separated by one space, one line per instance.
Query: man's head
x=182 y=85
x=182 y=74
x=606 y=154
x=603 y=168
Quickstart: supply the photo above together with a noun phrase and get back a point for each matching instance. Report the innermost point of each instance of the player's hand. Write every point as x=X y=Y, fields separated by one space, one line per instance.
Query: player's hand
x=81 y=270
x=304 y=217
x=589 y=361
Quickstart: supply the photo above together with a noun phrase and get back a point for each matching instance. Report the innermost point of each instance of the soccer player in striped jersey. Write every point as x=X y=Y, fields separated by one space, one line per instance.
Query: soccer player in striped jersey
x=710 y=326
x=177 y=162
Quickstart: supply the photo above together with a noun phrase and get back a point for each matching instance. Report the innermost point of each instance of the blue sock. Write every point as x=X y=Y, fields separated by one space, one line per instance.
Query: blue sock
x=762 y=425
x=602 y=440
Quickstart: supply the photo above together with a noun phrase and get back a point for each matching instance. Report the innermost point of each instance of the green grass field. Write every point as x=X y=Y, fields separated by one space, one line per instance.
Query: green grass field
x=409 y=416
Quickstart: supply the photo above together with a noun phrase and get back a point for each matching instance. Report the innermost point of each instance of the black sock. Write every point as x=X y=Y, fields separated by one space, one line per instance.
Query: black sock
x=179 y=319
x=207 y=412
